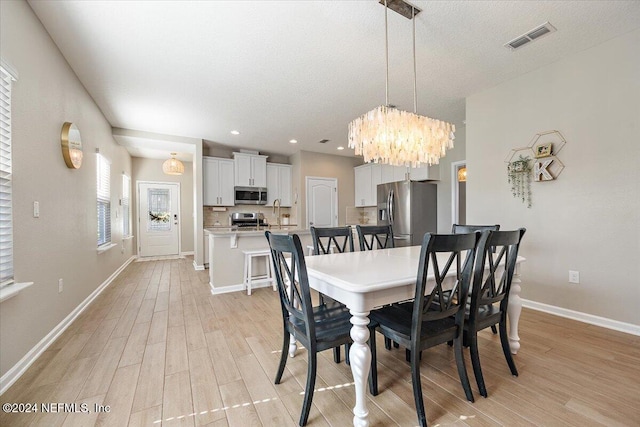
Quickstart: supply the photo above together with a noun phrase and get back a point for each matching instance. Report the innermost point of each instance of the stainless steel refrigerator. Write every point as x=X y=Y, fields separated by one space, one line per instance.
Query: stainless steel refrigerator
x=411 y=207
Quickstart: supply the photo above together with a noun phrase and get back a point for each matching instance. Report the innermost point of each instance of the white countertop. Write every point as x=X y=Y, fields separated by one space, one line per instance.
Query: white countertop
x=253 y=231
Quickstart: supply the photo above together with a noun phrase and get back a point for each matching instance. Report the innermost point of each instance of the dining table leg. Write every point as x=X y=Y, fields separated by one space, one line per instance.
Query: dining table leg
x=360 y=359
x=514 y=309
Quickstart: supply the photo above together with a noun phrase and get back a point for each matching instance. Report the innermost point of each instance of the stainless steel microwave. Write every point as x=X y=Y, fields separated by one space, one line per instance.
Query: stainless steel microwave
x=250 y=196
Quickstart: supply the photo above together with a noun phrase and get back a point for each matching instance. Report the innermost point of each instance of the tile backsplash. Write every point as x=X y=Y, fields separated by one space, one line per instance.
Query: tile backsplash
x=212 y=218
x=361 y=215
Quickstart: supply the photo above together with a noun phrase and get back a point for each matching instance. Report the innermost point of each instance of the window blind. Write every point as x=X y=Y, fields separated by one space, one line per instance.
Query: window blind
x=6 y=222
x=103 y=200
x=126 y=203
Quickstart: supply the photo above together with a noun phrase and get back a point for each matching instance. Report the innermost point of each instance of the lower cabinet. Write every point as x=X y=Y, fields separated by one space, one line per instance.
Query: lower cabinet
x=206 y=248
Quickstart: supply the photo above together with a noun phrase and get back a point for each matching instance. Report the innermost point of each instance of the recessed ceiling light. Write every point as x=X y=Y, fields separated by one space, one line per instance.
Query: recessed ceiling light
x=341 y=148
x=293 y=141
x=235 y=132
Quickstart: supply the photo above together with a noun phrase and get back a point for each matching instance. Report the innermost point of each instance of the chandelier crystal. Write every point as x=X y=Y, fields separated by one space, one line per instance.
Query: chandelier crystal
x=391 y=136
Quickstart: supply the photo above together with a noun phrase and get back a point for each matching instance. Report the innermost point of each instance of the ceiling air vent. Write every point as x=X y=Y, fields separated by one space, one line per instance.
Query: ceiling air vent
x=323 y=141
x=530 y=36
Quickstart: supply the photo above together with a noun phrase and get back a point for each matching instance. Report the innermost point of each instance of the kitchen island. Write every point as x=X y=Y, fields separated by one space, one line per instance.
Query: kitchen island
x=226 y=260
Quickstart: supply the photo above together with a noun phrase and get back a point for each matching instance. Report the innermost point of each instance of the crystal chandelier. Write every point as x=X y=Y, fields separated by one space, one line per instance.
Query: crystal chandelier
x=396 y=137
x=173 y=166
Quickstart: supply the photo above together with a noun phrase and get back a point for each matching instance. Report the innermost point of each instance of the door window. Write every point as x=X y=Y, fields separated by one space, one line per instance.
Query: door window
x=159 y=201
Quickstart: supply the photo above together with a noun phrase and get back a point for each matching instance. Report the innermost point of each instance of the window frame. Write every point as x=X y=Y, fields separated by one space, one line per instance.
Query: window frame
x=103 y=201
x=7 y=273
x=126 y=206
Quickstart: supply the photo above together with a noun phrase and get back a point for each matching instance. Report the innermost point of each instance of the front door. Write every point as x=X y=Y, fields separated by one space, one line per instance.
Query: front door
x=158 y=219
x=322 y=202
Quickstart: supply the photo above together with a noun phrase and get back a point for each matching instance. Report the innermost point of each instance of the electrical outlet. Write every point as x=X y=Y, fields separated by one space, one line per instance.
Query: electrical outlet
x=36 y=209
x=60 y=285
x=574 y=276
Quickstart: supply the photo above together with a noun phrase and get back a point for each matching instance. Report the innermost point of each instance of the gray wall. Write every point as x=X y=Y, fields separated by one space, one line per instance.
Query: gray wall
x=62 y=242
x=306 y=163
x=588 y=219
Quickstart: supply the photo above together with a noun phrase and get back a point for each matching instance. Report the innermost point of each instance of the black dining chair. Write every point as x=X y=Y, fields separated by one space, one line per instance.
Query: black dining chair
x=316 y=328
x=430 y=319
x=494 y=267
x=331 y=239
x=463 y=228
x=375 y=237
x=328 y=240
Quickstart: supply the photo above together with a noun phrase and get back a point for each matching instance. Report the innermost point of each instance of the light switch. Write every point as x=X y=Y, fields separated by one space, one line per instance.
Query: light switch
x=36 y=209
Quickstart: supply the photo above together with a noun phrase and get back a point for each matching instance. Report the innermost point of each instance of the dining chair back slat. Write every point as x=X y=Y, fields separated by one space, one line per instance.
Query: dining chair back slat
x=464 y=228
x=326 y=238
x=373 y=237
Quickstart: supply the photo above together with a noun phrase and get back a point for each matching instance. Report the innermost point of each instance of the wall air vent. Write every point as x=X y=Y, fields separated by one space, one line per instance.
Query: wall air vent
x=323 y=141
x=530 y=36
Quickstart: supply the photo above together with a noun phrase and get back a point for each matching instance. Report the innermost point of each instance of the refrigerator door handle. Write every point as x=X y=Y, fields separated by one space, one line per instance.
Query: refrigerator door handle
x=391 y=203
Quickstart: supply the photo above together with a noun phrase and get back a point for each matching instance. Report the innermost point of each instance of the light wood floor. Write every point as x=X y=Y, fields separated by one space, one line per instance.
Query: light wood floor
x=159 y=349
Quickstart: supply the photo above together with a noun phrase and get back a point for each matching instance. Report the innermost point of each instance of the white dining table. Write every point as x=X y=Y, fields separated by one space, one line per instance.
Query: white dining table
x=369 y=279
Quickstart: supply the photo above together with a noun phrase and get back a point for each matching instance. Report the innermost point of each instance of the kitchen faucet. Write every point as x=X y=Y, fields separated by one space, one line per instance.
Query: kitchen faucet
x=276 y=202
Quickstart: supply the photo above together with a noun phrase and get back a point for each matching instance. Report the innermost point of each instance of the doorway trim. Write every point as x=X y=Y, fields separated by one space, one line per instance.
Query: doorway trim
x=138 y=183
x=306 y=189
x=455 y=193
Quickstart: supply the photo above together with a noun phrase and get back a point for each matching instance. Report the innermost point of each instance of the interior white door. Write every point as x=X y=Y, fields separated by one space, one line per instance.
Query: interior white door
x=322 y=202
x=158 y=219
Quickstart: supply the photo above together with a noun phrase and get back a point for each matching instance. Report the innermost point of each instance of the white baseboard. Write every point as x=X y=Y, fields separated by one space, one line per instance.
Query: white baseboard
x=197 y=267
x=583 y=317
x=186 y=253
x=19 y=368
x=236 y=288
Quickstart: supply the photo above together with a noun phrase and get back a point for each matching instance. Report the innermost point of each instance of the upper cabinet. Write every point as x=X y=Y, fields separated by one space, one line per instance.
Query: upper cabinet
x=217 y=176
x=399 y=173
x=392 y=173
x=424 y=172
x=279 y=184
x=367 y=178
x=250 y=170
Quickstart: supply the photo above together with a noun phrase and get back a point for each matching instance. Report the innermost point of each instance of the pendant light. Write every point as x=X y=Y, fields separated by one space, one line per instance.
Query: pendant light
x=391 y=136
x=173 y=166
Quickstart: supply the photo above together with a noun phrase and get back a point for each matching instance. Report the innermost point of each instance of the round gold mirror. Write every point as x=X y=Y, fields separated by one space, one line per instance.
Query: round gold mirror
x=71 y=146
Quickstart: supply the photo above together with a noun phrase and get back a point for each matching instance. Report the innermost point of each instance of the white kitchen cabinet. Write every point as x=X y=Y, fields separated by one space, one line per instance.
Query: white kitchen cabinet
x=279 y=184
x=367 y=178
x=392 y=173
x=425 y=172
x=217 y=177
x=250 y=170
x=399 y=173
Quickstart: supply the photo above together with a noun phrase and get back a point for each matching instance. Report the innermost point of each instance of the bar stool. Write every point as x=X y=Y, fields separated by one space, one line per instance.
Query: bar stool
x=249 y=278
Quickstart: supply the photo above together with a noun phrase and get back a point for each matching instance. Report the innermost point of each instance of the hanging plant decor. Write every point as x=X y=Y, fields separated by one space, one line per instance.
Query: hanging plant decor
x=519 y=176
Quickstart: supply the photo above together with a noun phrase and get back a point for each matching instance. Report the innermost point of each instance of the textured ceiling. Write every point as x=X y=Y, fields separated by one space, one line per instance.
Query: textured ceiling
x=281 y=70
